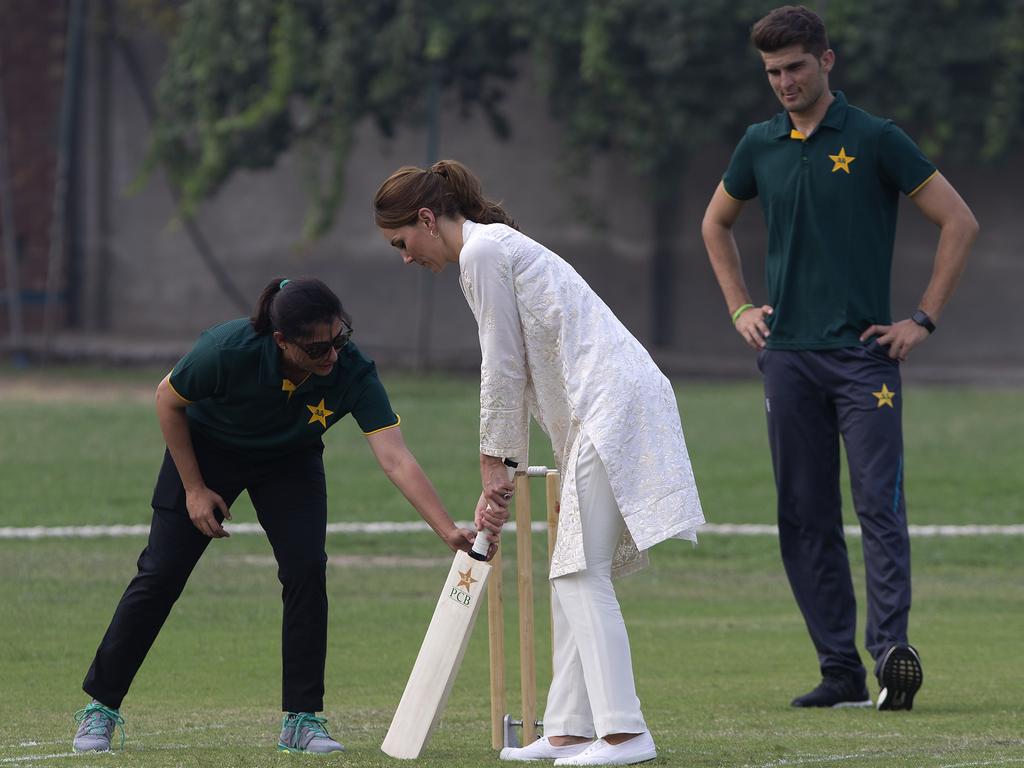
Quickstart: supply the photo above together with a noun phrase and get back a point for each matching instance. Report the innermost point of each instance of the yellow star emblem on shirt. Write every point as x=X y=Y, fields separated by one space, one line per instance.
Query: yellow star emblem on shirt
x=885 y=396
x=466 y=578
x=320 y=413
x=842 y=160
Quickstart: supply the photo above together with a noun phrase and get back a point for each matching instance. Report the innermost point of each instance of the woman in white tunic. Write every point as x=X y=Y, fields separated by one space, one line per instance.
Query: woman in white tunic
x=553 y=350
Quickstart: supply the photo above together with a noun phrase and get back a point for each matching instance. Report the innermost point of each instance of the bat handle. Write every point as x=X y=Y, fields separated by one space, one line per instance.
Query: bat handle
x=482 y=544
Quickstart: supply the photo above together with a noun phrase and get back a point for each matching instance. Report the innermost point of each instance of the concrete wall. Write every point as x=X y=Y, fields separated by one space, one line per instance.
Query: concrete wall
x=158 y=291
x=32 y=51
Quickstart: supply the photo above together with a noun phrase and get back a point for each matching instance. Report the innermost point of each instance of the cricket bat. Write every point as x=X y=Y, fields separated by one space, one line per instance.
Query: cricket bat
x=440 y=657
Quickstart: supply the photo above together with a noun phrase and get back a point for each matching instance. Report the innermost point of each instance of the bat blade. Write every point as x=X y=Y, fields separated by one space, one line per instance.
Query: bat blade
x=439 y=659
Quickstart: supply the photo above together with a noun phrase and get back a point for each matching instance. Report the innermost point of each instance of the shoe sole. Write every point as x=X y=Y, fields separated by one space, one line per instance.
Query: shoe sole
x=503 y=755
x=653 y=756
x=900 y=678
x=643 y=757
x=867 y=703
x=795 y=703
x=508 y=754
x=294 y=751
x=637 y=761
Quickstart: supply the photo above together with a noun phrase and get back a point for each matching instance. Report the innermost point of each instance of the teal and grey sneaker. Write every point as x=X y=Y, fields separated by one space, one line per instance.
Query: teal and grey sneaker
x=96 y=726
x=305 y=732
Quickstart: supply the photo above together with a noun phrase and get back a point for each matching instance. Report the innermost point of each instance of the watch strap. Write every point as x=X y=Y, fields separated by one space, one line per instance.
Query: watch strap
x=921 y=318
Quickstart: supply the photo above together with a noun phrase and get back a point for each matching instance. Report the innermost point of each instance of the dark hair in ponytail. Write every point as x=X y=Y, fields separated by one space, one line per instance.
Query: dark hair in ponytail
x=293 y=307
x=447 y=188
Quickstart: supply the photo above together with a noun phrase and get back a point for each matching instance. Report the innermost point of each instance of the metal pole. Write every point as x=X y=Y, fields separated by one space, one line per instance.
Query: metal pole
x=96 y=184
x=55 y=262
x=15 y=328
x=426 y=297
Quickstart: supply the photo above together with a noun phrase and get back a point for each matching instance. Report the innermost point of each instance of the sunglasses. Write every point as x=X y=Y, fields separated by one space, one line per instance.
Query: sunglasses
x=317 y=349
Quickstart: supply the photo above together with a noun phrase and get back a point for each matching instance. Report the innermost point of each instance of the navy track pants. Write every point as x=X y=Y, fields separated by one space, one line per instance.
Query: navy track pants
x=811 y=398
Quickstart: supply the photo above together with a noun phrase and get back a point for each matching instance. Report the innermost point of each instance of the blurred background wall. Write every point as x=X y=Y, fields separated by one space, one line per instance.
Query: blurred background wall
x=130 y=278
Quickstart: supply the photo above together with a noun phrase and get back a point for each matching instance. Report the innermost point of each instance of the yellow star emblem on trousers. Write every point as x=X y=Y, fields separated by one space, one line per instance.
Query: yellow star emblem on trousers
x=466 y=578
x=842 y=160
x=885 y=396
x=320 y=413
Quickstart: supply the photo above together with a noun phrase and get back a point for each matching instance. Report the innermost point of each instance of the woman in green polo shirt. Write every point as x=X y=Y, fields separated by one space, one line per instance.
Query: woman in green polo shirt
x=246 y=409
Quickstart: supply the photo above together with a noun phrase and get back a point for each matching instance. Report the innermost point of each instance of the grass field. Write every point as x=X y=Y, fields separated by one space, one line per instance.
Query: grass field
x=719 y=648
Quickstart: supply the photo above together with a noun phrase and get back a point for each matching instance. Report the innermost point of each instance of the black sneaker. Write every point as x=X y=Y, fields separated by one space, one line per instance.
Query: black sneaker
x=899 y=678
x=836 y=692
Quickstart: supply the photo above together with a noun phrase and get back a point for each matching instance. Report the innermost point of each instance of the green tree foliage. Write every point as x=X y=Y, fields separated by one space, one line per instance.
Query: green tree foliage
x=658 y=79
x=950 y=71
x=655 y=80
x=248 y=79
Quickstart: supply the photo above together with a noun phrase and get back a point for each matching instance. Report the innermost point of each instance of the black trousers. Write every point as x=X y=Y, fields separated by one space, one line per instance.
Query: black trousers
x=813 y=397
x=290 y=497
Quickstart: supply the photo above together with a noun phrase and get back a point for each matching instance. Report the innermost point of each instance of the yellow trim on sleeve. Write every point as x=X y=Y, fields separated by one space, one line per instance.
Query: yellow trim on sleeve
x=919 y=186
x=183 y=399
x=390 y=426
x=731 y=197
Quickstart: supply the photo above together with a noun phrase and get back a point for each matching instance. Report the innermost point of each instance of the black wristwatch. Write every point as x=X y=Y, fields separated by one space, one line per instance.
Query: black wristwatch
x=921 y=318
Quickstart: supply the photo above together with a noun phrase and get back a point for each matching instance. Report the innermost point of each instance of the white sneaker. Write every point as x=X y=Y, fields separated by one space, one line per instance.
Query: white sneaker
x=639 y=749
x=542 y=749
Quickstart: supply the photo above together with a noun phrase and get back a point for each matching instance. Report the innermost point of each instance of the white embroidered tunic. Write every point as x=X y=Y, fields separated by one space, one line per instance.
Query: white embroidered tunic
x=552 y=349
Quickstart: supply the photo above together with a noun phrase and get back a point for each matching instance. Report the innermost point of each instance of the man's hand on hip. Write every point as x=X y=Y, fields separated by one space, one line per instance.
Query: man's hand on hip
x=899 y=337
x=752 y=327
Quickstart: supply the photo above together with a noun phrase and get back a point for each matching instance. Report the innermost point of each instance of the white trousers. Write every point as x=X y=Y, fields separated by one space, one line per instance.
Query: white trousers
x=592 y=691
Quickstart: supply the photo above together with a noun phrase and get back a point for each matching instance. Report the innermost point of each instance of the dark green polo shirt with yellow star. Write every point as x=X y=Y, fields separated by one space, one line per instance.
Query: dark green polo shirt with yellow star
x=830 y=202
x=239 y=397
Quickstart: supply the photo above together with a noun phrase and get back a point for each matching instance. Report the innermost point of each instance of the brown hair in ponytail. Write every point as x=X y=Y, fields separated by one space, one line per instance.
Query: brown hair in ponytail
x=447 y=188
x=293 y=307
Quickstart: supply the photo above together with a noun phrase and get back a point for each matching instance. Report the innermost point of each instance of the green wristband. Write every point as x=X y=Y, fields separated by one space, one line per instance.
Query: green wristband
x=740 y=311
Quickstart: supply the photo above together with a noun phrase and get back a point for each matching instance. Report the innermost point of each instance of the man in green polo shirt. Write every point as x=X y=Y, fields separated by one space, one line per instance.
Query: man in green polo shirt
x=828 y=177
x=246 y=409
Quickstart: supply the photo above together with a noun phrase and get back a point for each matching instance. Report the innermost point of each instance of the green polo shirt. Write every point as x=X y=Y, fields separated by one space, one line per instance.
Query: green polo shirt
x=238 y=396
x=830 y=202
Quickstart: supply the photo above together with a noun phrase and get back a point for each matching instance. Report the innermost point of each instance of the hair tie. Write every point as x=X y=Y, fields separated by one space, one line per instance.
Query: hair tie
x=283 y=283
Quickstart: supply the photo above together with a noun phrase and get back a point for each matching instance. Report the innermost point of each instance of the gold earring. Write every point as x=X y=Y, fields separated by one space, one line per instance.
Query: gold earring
x=435 y=234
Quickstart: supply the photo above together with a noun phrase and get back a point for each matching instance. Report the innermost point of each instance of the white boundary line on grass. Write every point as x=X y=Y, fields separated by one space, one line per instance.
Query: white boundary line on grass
x=782 y=761
x=146 y=734
x=36 y=758
x=726 y=529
